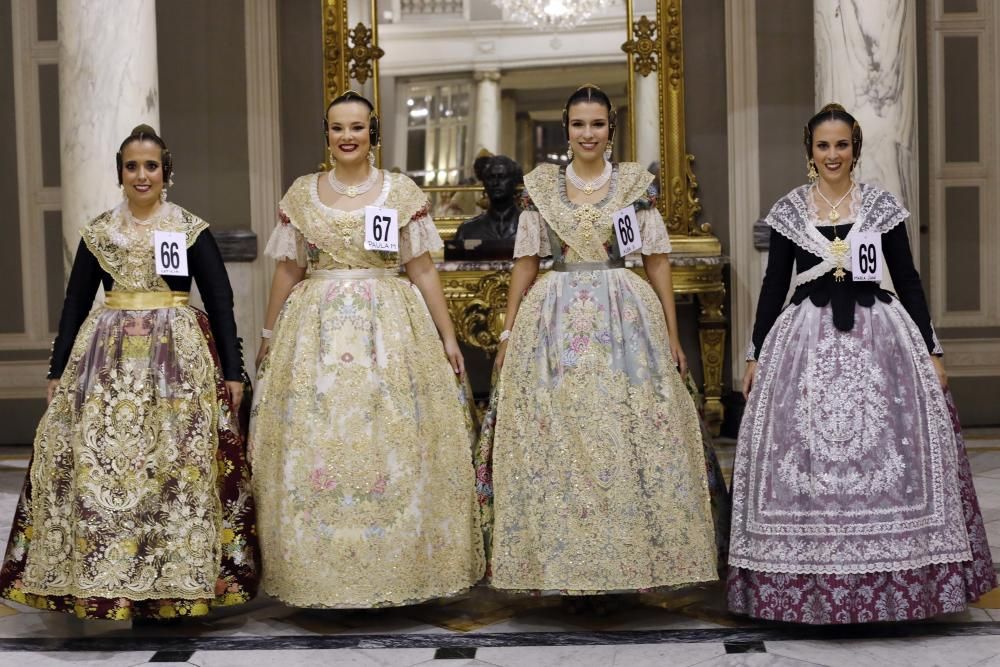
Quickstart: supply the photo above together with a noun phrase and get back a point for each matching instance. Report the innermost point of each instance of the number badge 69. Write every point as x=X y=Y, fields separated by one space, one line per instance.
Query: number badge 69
x=866 y=257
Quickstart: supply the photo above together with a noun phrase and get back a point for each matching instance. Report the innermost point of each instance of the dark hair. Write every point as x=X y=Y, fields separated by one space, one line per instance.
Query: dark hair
x=146 y=133
x=834 y=111
x=374 y=136
x=591 y=93
x=481 y=164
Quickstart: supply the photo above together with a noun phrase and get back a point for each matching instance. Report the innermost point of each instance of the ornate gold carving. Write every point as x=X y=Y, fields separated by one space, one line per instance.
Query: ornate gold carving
x=478 y=304
x=674 y=44
x=334 y=49
x=642 y=47
x=363 y=52
x=679 y=203
x=712 y=337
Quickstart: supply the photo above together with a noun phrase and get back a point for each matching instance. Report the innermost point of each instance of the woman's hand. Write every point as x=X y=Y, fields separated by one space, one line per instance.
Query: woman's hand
x=265 y=346
x=235 y=389
x=50 y=391
x=939 y=369
x=501 y=353
x=748 y=378
x=454 y=354
x=677 y=352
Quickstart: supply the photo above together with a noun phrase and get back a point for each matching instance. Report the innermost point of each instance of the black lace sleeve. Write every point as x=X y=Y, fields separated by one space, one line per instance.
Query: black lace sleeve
x=209 y=272
x=84 y=279
x=906 y=282
x=774 y=289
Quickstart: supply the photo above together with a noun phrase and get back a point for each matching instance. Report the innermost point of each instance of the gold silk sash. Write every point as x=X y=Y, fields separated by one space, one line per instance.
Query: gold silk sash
x=119 y=300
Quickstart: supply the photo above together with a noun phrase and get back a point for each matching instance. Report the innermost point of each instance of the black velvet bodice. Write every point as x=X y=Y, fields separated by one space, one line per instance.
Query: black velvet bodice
x=843 y=296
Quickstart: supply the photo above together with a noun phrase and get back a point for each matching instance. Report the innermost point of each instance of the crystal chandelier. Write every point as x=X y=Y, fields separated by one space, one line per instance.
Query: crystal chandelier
x=552 y=14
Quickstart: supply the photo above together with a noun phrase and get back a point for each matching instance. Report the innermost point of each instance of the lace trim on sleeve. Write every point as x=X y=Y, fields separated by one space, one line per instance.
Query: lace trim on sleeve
x=287 y=242
x=938 y=350
x=417 y=237
x=655 y=239
x=530 y=238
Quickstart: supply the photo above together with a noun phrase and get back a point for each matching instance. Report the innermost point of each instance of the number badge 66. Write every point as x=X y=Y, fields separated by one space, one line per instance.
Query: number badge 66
x=170 y=249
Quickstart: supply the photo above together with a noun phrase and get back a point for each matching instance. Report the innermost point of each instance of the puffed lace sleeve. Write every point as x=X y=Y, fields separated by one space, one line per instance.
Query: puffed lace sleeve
x=418 y=237
x=532 y=238
x=287 y=242
x=655 y=239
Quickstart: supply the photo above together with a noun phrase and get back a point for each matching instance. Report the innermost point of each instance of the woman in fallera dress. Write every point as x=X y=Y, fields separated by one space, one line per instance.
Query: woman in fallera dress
x=361 y=440
x=599 y=468
x=137 y=503
x=852 y=494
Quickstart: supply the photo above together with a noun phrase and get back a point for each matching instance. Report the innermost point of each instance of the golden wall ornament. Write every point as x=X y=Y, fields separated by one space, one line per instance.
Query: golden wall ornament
x=335 y=58
x=679 y=203
x=642 y=47
x=363 y=53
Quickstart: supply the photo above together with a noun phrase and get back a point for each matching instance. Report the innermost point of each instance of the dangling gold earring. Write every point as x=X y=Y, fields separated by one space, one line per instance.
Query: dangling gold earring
x=332 y=160
x=607 y=152
x=163 y=195
x=569 y=151
x=121 y=189
x=371 y=157
x=811 y=172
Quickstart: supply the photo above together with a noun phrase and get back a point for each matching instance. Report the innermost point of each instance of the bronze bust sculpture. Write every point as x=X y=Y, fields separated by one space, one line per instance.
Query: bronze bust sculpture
x=500 y=176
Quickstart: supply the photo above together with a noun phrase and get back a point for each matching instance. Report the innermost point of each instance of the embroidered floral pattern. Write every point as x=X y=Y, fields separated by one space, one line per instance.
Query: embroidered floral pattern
x=362 y=436
x=599 y=470
x=138 y=498
x=340 y=235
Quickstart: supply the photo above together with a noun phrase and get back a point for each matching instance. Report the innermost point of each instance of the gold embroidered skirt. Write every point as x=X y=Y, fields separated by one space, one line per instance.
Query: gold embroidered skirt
x=361 y=444
x=138 y=497
x=599 y=474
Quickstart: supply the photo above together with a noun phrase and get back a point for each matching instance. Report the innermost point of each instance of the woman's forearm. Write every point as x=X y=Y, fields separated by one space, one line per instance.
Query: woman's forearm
x=521 y=277
x=287 y=274
x=422 y=273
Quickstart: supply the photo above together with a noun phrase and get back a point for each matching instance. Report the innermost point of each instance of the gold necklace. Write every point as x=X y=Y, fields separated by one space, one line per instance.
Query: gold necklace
x=833 y=216
x=839 y=248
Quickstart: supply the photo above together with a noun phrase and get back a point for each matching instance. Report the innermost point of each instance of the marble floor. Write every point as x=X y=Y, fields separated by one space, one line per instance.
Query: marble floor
x=688 y=627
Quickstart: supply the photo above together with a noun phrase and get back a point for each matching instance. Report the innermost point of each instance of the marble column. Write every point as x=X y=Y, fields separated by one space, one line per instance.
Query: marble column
x=107 y=85
x=866 y=60
x=647 y=119
x=488 y=110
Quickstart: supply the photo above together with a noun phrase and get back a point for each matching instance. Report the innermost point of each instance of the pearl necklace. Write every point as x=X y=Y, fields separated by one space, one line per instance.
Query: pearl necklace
x=589 y=187
x=352 y=191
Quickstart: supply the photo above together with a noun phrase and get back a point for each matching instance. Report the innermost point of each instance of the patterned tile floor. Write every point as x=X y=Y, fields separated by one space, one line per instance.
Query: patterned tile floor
x=688 y=627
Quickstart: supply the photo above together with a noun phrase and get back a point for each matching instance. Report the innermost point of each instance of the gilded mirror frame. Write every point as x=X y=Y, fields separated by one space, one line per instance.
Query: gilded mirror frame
x=654 y=47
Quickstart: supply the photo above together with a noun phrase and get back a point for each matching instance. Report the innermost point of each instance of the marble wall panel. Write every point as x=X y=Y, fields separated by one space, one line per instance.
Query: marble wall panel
x=866 y=60
x=11 y=298
x=107 y=85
